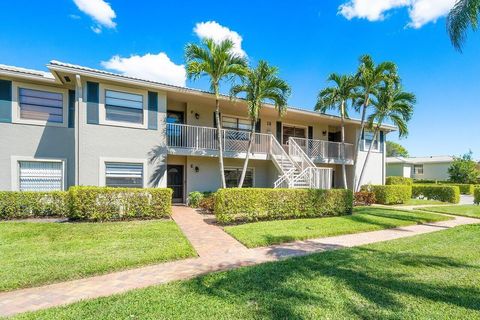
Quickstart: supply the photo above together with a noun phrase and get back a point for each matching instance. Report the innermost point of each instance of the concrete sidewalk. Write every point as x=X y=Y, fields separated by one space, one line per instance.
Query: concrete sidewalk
x=217 y=250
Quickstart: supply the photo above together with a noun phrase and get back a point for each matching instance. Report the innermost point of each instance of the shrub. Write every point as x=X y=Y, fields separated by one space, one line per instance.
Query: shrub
x=105 y=204
x=253 y=204
x=208 y=203
x=391 y=194
x=364 y=198
x=437 y=192
x=476 y=196
x=426 y=181
x=194 y=199
x=399 y=180
x=464 y=188
x=23 y=204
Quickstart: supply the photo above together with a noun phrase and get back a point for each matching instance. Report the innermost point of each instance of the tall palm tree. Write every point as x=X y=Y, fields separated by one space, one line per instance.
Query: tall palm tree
x=393 y=105
x=218 y=62
x=369 y=77
x=336 y=98
x=463 y=15
x=261 y=85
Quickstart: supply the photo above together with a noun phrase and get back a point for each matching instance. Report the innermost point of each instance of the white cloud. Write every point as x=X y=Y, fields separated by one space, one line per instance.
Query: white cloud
x=217 y=32
x=100 y=11
x=155 y=67
x=421 y=12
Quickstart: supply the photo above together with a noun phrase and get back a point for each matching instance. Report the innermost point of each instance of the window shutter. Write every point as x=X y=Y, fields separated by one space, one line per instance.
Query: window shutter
x=258 y=126
x=279 y=131
x=92 y=102
x=71 y=108
x=310 y=132
x=363 y=134
x=152 y=110
x=382 y=137
x=215 y=119
x=40 y=176
x=5 y=101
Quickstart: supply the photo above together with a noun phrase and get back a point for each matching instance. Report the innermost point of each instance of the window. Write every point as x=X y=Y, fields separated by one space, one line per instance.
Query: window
x=236 y=123
x=126 y=175
x=368 y=140
x=418 y=169
x=232 y=177
x=40 y=175
x=123 y=107
x=294 y=132
x=40 y=105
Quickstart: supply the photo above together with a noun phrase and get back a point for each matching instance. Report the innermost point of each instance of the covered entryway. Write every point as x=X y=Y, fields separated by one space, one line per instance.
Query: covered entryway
x=175 y=181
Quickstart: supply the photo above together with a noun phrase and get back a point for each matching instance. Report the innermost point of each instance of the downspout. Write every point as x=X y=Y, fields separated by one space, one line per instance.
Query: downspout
x=78 y=102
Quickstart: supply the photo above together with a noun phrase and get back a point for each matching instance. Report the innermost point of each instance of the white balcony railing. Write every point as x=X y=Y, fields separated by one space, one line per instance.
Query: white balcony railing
x=319 y=149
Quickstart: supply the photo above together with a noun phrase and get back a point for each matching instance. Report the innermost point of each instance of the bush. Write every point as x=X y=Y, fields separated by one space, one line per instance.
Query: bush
x=364 y=198
x=464 y=188
x=106 y=204
x=391 y=194
x=426 y=181
x=23 y=204
x=208 y=203
x=254 y=204
x=194 y=199
x=399 y=180
x=476 y=196
x=437 y=192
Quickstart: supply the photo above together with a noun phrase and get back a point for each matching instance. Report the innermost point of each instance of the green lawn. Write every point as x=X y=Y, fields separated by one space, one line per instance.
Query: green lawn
x=364 y=219
x=32 y=254
x=416 y=202
x=469 y=210
x=433 y=276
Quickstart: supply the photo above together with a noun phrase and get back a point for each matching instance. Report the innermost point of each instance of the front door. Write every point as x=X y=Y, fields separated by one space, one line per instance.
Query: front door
x=175 y=182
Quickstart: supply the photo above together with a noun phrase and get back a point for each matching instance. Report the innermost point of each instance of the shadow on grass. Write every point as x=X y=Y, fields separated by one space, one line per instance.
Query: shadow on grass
x=359 y=281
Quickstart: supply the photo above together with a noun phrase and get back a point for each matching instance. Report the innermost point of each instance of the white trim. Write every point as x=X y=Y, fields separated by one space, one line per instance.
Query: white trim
x=15 y=169
x=241 y=168
x=377 y=139
x=101 y=106
x=103 y=160
x=16 y=105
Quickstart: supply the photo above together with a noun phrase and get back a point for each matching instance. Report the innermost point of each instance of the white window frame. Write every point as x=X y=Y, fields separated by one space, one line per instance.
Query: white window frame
x=377 y=140
x=16 y=104
x=15 y=169
x=416 y=173
x=240 y=169
x=102 y=166
x=103 y=113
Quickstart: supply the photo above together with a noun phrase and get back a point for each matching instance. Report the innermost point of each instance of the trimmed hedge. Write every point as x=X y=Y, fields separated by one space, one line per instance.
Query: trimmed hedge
x=254 y=204
x=393 y=180
x=390 y=194
x=476 y=196
x=106 y=204
x=24 y=204
x=437 y=192
x=364 y=198
x=464 y=188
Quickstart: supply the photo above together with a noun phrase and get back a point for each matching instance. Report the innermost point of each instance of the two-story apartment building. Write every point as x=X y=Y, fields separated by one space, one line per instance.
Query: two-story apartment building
x=80 y=126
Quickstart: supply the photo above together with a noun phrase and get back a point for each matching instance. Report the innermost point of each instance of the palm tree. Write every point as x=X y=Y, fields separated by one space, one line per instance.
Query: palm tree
x=336 y=98
x=393 y=105
x=463 y=15
x=369 y=77
x=261 y=85
x=218 y=62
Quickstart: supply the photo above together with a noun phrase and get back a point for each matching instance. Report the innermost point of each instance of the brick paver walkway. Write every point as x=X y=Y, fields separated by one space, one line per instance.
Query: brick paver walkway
x=217 y=251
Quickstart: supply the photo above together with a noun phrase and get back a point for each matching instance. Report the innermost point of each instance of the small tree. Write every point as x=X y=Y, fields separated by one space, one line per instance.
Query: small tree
x=464 y=169
x=396 y=150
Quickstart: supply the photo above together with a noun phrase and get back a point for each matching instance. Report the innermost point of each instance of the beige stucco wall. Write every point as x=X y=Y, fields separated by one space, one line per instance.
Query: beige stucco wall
x=433 y=171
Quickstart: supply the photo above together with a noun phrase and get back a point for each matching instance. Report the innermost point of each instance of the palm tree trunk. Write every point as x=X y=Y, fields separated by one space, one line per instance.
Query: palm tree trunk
x=344 y=169
x=249 y=150
x=220 y=141
x=357 y=146
x=368 y=157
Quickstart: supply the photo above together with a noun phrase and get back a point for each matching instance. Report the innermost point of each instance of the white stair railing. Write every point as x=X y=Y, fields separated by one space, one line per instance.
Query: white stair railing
x=287 y=167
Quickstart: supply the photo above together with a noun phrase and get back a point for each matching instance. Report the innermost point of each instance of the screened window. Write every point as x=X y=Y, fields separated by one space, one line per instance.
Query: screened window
x=236 y=123
x=123 y=107
x=293 y=132
x=418 y=169
x=125 y=175
x=40 y=176
x=40 y=105
x=232 y=177
x=368 y=140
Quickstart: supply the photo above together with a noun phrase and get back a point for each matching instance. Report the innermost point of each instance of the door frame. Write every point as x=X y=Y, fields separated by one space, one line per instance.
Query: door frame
x=183 y=181
x=294 y=126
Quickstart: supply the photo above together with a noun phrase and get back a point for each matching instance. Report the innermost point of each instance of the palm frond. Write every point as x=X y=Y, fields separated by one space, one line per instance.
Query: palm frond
x=463 y=15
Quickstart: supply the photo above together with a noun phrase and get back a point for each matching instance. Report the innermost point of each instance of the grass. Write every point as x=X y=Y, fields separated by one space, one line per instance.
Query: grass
x=259 y=234
x=433 y=276
x=469 y=210
x=416 y=202
x=38 y=253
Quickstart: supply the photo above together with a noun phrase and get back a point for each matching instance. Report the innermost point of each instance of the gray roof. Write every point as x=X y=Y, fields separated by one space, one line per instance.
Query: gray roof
x=420 y=160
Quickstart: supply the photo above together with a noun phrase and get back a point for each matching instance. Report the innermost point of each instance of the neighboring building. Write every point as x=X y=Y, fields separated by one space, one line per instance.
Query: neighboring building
x=80 y=126
x=426 y=168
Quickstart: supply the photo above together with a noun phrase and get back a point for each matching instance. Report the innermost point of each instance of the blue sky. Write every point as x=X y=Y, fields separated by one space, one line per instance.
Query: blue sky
x=307 y=40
